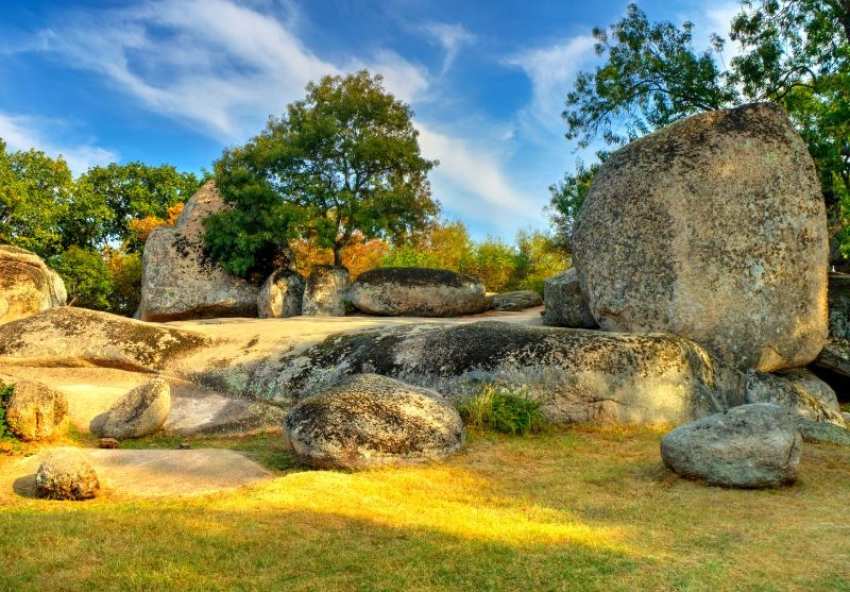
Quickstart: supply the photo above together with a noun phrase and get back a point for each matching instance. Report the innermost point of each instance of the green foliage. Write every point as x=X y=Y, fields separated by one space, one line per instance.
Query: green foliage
x=6 y=392
x=495 y=264
x=502 y=410
x=86 y=275
x=126 y=274
x=539 y=257
x=567 y=197
x=343 y=161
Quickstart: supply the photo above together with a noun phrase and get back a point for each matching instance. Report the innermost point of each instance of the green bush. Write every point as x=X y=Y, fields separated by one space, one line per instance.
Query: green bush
x=86 y=275
x=502 y=410
x=6 y=391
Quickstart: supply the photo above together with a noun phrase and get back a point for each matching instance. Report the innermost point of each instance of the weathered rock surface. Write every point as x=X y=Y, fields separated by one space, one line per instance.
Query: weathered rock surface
x=325 y=291
x=835 y=357
x=797 y=390
x=281 y=296
x=36 y=412
x=178 y=282
x=577 y=375
x=27 y=285
x=369 y=420
x=839 y=305
x=66 y=474
x=751 y=446
x=713 y=228
x=566 y=306
x=76 y=336
x=819 y=432
x=517 y=300
x=139 y=413
x=417 y=292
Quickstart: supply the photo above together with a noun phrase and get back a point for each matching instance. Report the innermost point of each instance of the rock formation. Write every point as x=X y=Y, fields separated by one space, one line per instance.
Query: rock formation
x=66 y=474
x=325 y=291
x=281 y=295
x=27 y=285
x=565 y=303
x=36 y=412
x=139 y=413
x=517 y=300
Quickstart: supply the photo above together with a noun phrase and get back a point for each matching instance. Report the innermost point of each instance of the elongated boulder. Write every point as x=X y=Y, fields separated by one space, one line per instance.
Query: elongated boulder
x=577 y=375
x=281 y=295
x=36 y=412
x=325 y=291
x=565 y=304
x=751 y=446
x=179 y=281
x=713 y=228
x=516 y=300
x=418 y=292
x=801 y=392
x=139 y=413
x=66 y=474
x=27 y=285
x=70 y=336
x=369 y=420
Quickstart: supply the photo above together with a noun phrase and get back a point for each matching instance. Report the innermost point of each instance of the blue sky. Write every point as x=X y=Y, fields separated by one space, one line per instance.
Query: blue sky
x=177 y=81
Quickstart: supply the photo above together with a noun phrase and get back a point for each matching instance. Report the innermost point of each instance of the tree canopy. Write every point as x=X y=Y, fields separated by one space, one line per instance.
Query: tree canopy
x=342 y=162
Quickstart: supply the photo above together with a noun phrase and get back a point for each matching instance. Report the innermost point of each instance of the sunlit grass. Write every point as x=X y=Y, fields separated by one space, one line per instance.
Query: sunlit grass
x=584 y=509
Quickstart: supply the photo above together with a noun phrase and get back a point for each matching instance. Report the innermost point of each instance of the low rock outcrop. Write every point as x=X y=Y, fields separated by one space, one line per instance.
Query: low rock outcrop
x=369 y=420
x=577 y=375
x=517 y=300
x=36 y=412
x=417 y=292
x=325 y=291
x=751 y=446
x=799 y=391
x=839 y=305
x=281 y=296
x=713 y=228
x=179 y=282
x=139 y=413
x=566 y=306
x=70 y=336
x=66 y=474
x=27 y=285
x=835 y=357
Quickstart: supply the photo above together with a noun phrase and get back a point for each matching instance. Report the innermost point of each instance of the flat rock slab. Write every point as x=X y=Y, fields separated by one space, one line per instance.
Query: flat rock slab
x=156 y=473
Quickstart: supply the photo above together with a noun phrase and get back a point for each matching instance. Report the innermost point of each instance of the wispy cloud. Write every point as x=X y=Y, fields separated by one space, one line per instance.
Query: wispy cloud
x=451 y=37
x=23 y=132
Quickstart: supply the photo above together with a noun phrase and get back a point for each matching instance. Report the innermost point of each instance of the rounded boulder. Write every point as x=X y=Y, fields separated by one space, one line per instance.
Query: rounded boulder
x=325 y=290
x=139 y=413
x=281 y=295
x=36 y=412
x=27 y=285
x=66 y=474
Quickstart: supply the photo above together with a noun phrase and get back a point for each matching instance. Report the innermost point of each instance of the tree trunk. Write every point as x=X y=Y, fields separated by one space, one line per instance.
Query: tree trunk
x=338 y=255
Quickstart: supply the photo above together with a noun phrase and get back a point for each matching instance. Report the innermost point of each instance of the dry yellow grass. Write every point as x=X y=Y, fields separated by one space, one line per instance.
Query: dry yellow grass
x=584 y=509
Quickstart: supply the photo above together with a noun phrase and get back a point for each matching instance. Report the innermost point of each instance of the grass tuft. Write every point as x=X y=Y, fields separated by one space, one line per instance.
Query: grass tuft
x=6 y=391
x=500 y=409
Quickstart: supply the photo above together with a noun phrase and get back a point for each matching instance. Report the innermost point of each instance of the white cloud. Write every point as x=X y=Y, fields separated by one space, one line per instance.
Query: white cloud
x=451 y=37
x=22 y=133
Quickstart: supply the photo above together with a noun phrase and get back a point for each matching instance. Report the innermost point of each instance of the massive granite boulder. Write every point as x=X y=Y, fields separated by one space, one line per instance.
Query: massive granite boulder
x=369 y=420
x=281 y=295
x=577 y=375
x=179 y=282
x=70 y=336
x=417 y=292
x=139 y=413
x=751 y=446
x=516 y=300
x=713 y=228
x=325 y=292
x=27 y=285
x=36 y=412
x=565 y=304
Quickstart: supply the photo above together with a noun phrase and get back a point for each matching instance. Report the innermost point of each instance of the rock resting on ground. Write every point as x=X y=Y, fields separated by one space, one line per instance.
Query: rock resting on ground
x=27 y=285
x=66 y=474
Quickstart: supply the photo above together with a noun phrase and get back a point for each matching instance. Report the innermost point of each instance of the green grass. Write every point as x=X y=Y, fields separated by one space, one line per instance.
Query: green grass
x=502 y=410
x=584 y=509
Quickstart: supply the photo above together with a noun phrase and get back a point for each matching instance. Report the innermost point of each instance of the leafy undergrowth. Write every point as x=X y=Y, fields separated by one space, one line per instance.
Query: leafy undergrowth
x=502 y=410
x=584 y=509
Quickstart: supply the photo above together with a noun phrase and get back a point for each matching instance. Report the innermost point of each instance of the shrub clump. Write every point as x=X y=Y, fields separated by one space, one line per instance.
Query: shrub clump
x=6 y=391
x=500 y=409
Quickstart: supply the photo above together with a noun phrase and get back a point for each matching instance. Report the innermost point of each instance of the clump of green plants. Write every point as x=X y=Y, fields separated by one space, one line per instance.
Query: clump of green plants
x=6 y=391
x=501 y=409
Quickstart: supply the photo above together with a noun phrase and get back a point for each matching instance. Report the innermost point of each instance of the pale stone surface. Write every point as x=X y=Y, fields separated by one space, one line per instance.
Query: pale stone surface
x=27 y=285
x=798 y=390
x=281 y=296
x=141 y=412
x=417 y=292
x=36 y=411
x=713 y=228
x=750 y=446
x=325 y=291
x=369 y=420
x=577 y=375
x=66 y=474
x=178 y=282
x=517 y=300
x=565 y=305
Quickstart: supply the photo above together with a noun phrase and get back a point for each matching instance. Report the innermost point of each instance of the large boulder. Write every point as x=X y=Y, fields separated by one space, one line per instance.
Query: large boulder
x=751 y=446
x=713 y=228
x=516 y=300
x=577 y=375
x=36 y=412
x=369 y=420
x=417 y=292
x=139 y=413
x=27 y=285
x=179 y=281
x=325 y=291
x=66 y=474
x=565 y=304
x=70 y=336
x=281 y=295
x=799 y=391
x=835 y=357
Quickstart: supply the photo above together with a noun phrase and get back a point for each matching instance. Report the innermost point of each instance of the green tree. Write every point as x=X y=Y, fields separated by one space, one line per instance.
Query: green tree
x=86 y=276
x=566 y=199
x=540 y=256
x=344 y=160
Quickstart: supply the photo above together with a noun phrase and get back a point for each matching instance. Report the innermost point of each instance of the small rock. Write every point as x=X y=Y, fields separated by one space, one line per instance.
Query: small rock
x=36 y=412
x=108 y=443
x=798 y=390
x=820 y=433
x=517 y=300
x=751 y=446
x=139 y=413
x=66 y=474
x=324 y=292
x=566 y=306
x=184 y=445
x=281 y=295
